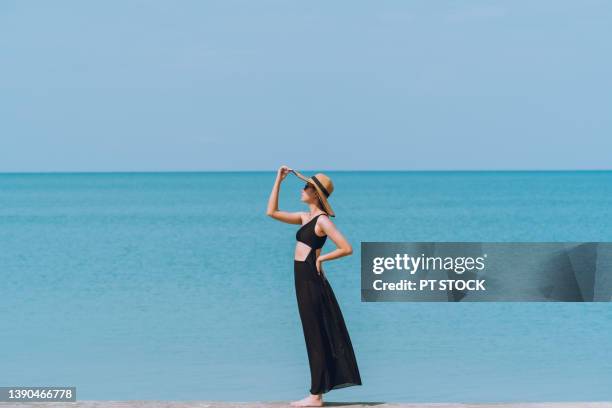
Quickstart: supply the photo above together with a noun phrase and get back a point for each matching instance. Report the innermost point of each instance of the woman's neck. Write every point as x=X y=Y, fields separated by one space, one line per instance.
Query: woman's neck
x=314 y=210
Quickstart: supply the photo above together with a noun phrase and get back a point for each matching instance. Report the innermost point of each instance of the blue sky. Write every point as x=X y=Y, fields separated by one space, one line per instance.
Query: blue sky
x=250 y=85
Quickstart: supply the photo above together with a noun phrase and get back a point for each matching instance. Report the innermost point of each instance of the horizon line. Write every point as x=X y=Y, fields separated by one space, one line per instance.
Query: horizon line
x=303 y=170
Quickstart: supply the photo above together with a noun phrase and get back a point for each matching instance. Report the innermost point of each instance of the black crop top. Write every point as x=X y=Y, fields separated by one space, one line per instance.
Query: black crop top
x=306 y=234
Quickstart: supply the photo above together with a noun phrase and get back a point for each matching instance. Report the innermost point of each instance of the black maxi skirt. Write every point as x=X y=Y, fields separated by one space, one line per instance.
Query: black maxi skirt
x=328 y=345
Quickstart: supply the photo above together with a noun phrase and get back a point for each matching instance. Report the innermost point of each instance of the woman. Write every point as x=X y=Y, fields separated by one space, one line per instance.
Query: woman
x=330 y=354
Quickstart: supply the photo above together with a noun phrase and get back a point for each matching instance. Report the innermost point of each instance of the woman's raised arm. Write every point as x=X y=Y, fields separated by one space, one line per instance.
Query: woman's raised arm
x=273 y=211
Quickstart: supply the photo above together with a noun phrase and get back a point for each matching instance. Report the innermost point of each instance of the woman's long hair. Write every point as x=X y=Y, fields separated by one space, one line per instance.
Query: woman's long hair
x=320 y=203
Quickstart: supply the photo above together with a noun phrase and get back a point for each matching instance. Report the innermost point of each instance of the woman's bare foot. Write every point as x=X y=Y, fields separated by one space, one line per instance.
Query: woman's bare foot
x=312 y=400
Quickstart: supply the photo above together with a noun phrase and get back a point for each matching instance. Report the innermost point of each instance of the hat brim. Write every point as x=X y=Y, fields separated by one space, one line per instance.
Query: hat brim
x=299 y=175
x=322 y=197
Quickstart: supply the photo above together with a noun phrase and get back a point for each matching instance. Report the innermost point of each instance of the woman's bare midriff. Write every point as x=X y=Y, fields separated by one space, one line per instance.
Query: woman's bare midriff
x=302 y=250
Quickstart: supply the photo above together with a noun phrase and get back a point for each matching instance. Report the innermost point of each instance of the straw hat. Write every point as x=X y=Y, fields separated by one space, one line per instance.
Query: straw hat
x=324 y=187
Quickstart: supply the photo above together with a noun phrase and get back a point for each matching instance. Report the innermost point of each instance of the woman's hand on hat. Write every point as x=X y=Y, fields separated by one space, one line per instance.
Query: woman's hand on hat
x=283 y=171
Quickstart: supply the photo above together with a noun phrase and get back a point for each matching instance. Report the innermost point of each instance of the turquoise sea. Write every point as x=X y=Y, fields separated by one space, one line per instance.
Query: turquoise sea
x=177 y=286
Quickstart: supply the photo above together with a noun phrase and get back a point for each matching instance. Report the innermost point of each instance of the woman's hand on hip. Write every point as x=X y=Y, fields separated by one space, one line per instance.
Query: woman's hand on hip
x=319 y=264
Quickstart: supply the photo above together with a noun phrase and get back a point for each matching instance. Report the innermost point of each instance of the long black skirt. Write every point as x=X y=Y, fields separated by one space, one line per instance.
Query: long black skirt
x=328 y=345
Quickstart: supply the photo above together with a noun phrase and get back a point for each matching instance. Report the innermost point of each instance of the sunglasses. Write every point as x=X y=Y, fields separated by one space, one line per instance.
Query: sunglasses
x=307 y=186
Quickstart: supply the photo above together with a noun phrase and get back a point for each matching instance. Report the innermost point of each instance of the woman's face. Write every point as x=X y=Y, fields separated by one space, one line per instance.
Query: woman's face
x=309 y=194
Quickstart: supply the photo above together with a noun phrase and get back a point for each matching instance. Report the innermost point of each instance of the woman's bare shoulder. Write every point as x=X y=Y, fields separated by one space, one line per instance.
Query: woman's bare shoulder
x=325 y=221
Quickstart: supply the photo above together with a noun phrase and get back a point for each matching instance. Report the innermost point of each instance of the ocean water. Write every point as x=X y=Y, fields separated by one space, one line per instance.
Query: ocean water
x=177 y=286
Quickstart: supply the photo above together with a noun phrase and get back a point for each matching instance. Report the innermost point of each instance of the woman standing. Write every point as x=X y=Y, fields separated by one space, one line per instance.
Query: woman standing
x=330 y=353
